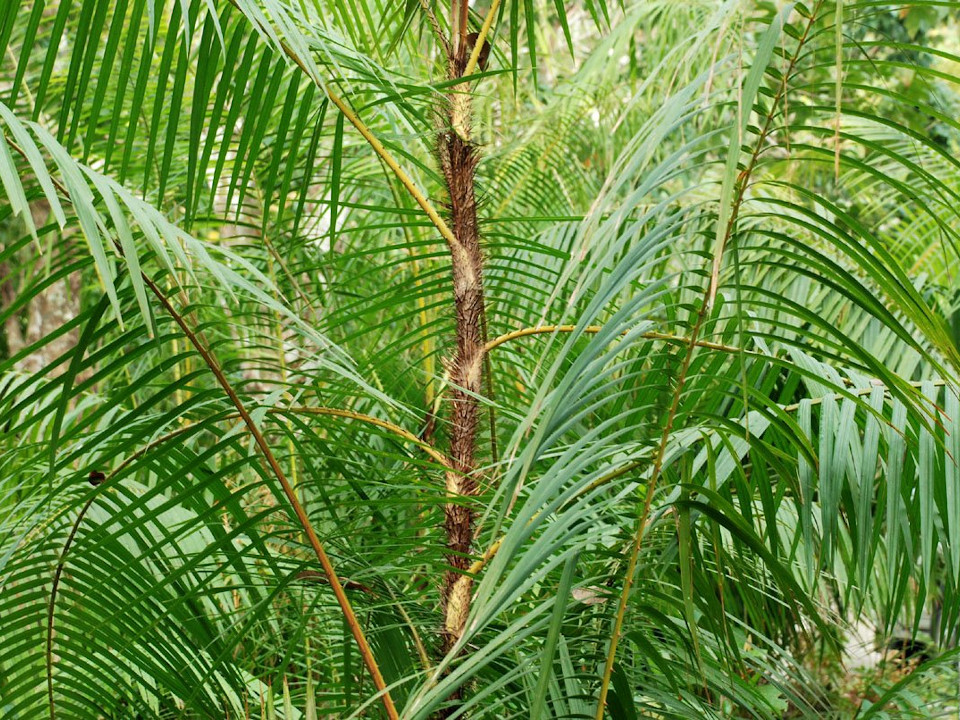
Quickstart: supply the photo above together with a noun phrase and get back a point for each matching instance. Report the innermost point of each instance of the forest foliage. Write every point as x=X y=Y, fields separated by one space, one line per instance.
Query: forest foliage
x=516 y=359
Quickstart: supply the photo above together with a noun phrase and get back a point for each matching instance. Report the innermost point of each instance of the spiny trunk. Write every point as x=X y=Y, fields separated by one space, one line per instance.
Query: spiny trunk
x=458 y=160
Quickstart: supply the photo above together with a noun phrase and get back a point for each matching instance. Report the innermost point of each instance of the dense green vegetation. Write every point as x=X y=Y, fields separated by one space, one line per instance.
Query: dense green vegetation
x=414 y=359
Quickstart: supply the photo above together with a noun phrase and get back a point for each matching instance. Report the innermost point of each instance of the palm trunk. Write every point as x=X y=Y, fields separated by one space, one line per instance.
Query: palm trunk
x=458 y=161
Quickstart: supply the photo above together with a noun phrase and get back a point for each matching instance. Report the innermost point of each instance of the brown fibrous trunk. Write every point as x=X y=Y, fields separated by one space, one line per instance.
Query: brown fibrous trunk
x=458 y=160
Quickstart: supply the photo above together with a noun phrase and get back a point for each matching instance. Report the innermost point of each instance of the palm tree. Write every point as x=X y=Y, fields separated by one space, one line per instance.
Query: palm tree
x=526 y=359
